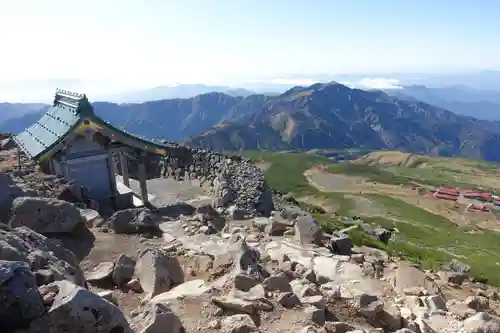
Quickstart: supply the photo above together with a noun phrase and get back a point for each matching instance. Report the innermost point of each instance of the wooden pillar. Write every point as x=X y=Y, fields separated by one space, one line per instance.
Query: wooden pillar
x=142 y=178
x=19 y=158
x=112 y=172
x=124 y=166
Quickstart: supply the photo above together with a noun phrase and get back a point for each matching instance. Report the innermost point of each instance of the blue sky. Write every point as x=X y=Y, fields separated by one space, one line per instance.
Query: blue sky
x=141 y=43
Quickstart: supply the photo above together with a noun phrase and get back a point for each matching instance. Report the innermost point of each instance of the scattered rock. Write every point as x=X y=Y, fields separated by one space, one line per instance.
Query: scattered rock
x=478 y=303
x=193 y=288
x=131 y=221
x=244 y=282
x=238 y=324
x=43 y=255
x=234 y=304
x=369 y=305
x=340 y=244
x=481 y=323
x=277 y=283
x=76 y=309
x=288 y=300
x=315 y=315
x=337 y=327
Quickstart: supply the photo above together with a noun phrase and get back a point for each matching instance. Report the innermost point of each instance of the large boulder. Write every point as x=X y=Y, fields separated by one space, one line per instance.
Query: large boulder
x=46 y=258
x=76 y=309
x=45 y=215
x=158 y=271
x=308 y=231
x=20 y=302
x=411 y=277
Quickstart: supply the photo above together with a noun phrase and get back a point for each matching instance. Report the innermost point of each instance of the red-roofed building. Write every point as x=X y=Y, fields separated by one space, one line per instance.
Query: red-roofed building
x=446 y=196
x=449 y=191
x=478 y=207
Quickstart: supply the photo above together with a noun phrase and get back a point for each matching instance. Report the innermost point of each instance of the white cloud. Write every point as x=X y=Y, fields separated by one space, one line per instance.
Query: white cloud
x=284 y=81
x=375 y=83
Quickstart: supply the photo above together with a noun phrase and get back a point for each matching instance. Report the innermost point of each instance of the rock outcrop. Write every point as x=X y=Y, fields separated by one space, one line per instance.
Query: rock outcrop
x=47 y=259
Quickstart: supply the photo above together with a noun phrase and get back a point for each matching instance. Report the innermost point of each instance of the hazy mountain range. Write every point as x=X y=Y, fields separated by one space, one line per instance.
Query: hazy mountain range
x=319 y=116
x=481 y=104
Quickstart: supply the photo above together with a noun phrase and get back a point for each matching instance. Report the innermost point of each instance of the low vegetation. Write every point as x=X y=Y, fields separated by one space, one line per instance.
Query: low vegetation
x=423 y=237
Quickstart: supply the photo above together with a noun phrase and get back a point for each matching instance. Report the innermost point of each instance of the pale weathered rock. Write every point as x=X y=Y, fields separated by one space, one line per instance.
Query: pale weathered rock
x=41 y=253
x=123 y=270
x=20 y=302
x=439 y=322
x=308 y=231
x=45 y=215
x=337 y=327
x=130 y=221
x=100 y=273
x=482 y=322
x=435 y=302
x=134 y=285
x=277 y=226
x=234 y=304
x=158 y=271
x=240 y=323
x=316 y=300
x=193 y=288
x=459 y=309
x=108 y=295
x=158 y=318
x=331 y=269
x=409 y=276
x=303 y=288
x=76 y=309
x=478 y=303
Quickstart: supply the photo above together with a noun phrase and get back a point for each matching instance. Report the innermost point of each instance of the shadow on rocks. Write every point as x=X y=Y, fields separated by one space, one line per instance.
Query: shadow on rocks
x=176 y=210
x=79 y=242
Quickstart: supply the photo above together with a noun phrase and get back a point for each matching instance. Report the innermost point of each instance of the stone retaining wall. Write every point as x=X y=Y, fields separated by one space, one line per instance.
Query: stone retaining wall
x=233 y=179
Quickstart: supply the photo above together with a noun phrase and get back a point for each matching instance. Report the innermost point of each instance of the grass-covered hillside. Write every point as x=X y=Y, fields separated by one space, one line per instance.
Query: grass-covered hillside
x=392 y=189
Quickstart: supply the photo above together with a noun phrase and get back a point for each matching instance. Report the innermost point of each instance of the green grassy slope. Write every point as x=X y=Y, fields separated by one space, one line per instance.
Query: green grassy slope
x=425 y=238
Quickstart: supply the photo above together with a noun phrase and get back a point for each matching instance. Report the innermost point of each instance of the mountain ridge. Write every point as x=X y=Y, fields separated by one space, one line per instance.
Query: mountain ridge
x=321 y=116
x=335 y=116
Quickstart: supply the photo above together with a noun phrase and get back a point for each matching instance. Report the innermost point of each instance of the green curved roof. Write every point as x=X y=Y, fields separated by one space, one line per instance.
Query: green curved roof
x=66 y=113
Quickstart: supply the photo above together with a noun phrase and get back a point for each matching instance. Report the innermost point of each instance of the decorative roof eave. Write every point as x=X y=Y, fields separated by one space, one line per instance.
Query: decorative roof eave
x=77 y=109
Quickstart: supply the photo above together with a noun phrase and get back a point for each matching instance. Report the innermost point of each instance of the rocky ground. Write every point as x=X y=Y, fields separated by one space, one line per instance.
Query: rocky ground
x=196 y=268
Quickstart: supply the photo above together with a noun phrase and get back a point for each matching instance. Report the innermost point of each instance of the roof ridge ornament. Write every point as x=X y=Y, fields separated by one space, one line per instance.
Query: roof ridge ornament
x=69 y=94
